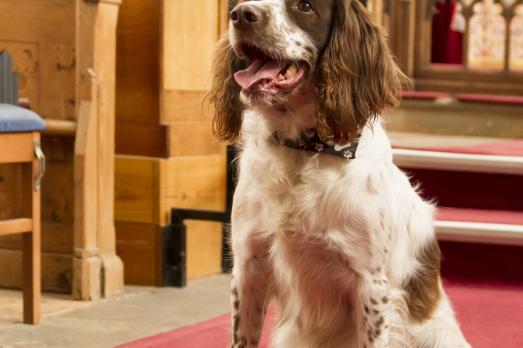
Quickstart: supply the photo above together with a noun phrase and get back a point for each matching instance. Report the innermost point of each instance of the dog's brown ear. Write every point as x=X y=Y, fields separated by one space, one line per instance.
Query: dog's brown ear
x=225 y=93
x=357 y=75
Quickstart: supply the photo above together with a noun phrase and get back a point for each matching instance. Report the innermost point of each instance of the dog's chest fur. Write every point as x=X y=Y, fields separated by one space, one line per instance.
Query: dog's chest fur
x=305 y=209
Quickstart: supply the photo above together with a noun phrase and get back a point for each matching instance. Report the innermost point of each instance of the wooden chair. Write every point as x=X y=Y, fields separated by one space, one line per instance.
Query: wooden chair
x=20 y=143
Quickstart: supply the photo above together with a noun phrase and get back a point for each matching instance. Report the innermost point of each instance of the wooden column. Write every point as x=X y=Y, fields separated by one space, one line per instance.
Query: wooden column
x=98 y=271
x=402 y=33
x=376 y=7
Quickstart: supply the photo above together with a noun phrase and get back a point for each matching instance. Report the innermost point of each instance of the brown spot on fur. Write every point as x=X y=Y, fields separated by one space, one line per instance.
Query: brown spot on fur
x=379 y=322
x=236 y=304
x=385 y=299
x=422 y=288
x=234 y=292
x=373 y=301
x=236 y=324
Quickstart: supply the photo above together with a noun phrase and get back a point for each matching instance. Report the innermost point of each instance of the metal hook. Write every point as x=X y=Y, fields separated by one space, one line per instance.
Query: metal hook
x=41 y=158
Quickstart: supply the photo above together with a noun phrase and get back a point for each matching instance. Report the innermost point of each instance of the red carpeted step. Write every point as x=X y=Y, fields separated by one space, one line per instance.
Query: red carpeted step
x=480 y=215
x=510 y=147
x=486 y=191
x=512 y=100
x=489 y=316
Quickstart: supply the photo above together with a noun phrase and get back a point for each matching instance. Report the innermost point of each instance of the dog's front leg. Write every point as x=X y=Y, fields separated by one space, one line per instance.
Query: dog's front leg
x=251 y=280
x=377 y=312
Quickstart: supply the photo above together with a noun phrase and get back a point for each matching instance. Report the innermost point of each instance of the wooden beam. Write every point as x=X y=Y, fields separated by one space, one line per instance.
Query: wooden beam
x=15 y=226
x=59 y=127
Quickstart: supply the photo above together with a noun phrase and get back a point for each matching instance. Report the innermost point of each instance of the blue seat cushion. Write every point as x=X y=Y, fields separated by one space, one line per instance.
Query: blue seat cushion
x=16 y=119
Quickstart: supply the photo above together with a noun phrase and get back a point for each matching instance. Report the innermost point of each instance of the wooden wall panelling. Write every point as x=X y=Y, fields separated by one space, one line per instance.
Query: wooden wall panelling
x=138 y=62
x=138 y=80
x=147 y=189
x=189 y=168
x=137 y=190
x=139 y=246
x=190 y=30
x=56 y=271
x=43 y=55
x=193 y=182
x=141 y=139
x=204 y=249
x=38 y=20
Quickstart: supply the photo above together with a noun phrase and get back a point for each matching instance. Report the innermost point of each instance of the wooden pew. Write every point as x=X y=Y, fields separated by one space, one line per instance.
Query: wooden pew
x=64 y=53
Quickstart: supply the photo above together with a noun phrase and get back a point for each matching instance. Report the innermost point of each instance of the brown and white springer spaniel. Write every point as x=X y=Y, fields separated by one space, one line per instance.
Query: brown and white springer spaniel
x=323 y=221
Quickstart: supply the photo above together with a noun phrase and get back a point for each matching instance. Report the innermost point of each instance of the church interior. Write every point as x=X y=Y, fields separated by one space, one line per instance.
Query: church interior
x=128 y=225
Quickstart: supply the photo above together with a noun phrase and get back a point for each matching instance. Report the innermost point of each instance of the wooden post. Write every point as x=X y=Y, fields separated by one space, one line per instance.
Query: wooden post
x=31 y=243
x=98 y=271
x=376 y=7
x=403 y=17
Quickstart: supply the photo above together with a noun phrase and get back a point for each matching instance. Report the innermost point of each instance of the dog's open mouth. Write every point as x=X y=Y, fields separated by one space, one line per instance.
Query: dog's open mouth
x=268 y=75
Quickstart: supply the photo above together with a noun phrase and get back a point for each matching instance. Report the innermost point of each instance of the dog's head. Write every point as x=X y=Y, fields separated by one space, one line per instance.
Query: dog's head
x=277 y=48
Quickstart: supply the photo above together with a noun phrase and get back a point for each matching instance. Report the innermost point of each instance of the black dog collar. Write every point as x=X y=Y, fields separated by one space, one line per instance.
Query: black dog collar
x=310 y=141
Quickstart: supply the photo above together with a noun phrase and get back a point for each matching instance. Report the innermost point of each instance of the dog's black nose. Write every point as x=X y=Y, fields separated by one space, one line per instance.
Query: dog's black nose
x=245 y=15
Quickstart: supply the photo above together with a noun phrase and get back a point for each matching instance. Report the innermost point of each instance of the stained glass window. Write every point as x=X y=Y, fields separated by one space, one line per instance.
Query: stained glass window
x=487 y=36
x=516 y=40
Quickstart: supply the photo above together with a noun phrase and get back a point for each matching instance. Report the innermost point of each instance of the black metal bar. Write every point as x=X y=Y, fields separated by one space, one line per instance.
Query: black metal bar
x=174 y=235
x=174 y=270
x=179 y=215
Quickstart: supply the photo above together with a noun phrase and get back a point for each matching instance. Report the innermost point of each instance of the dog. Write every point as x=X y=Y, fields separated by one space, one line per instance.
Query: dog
x=323 y=222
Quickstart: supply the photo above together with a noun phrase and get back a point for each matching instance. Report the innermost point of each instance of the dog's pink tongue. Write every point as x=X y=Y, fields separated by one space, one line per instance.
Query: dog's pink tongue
x=257 y=71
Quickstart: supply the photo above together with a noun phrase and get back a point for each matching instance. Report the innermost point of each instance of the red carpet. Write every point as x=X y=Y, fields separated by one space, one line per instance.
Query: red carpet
x=511 y=148
x=491 y=317
x=484 y=282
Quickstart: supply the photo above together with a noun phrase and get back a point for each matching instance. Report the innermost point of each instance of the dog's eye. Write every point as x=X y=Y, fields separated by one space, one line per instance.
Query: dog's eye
x=305 y=6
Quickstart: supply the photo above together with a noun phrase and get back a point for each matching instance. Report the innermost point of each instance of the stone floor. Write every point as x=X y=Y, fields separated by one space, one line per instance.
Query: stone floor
x=141 y=312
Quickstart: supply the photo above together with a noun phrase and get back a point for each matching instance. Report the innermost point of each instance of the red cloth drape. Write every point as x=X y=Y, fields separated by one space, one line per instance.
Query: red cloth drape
x=447 y=44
